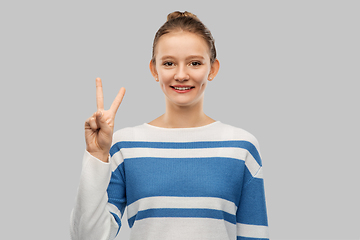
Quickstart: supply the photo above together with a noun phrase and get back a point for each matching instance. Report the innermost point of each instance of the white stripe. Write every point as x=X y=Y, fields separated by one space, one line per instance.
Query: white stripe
x=150 y=133
x=259 y=174
x=252 y=231
x=182 y=229
x=116 y=160
x=181 y=202
x=112 y=208
x=237 y=153
x=252 y=165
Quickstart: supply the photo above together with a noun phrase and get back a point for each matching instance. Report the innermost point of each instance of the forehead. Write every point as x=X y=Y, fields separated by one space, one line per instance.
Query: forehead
x=181 y=44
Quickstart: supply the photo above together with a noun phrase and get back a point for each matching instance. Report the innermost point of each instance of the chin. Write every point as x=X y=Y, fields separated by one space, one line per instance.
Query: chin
x=185 y=103
x=184 y=100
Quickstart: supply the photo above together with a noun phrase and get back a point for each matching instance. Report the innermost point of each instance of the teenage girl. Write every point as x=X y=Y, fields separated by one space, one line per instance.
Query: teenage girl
x=182 y=176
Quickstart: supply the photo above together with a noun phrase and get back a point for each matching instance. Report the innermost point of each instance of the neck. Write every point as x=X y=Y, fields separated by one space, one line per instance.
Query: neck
x=183 y=117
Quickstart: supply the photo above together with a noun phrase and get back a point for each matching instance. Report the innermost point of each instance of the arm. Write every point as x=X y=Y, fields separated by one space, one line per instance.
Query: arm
x=91 y=218
x=251 y=216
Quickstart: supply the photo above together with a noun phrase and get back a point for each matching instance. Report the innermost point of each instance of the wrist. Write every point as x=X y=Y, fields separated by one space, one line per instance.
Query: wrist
x=104 y=157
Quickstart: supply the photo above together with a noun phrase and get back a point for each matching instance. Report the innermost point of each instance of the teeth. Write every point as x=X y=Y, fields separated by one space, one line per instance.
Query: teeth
x=182 y=88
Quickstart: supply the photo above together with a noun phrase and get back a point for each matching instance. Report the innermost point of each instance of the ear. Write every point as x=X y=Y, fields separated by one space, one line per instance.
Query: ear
x=214 y=70
x=153 y=70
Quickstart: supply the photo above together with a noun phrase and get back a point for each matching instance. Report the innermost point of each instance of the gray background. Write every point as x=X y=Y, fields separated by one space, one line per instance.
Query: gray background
x=289 y=75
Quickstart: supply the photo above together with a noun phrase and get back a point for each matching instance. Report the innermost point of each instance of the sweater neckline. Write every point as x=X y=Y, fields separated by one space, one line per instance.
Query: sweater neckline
x=182 y=129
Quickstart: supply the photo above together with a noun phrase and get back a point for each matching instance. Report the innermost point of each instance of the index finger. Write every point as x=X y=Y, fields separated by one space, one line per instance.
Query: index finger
x=99 y=95
x=116 y=103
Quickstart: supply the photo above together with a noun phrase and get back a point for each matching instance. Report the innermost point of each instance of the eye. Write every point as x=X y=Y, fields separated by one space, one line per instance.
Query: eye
x=168 y=64
x=195 y=63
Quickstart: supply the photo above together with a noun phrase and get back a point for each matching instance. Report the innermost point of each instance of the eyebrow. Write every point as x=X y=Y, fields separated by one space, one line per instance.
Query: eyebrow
x=189 y=57
x=195 y=56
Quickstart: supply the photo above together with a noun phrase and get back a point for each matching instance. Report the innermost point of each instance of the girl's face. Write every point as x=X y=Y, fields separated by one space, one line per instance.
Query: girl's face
x=183 y=67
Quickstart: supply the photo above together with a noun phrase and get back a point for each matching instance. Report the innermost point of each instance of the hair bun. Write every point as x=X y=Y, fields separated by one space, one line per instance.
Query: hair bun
x=178 y=14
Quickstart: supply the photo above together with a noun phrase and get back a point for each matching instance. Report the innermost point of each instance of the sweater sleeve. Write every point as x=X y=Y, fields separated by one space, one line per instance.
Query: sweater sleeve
x=91 y=217
x=251 y=215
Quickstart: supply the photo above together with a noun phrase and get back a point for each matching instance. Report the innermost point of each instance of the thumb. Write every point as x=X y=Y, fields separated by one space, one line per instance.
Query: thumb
x=104 y=122
x=100 y=119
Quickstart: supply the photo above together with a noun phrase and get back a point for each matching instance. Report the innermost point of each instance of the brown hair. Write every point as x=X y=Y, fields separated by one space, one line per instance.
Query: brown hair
x=189 y=22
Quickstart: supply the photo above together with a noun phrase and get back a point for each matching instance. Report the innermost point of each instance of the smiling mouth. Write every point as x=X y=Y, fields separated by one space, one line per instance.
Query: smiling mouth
x=181 y=88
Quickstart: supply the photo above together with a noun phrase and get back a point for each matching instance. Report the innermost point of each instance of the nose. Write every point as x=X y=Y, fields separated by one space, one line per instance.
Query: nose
x=181 y=74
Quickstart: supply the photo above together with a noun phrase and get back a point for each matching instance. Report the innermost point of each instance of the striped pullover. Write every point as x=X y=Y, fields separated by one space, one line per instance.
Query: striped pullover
x=176 y=183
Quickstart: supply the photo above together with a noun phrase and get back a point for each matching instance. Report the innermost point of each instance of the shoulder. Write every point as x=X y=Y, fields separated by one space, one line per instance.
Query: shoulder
x=246 y=140
x=214 y=132
x=236 y=133
x=128 y=133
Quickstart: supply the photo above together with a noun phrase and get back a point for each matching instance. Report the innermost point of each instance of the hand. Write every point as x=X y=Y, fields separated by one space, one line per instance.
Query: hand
x=99 y=128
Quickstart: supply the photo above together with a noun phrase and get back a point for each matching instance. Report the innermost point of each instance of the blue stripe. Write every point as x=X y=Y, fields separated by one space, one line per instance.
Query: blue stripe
x=184 y=177
x=247 y=177
x=183 y=213
x=252 y=207
x=248 y=238
x=116 y=189
x=188 y=145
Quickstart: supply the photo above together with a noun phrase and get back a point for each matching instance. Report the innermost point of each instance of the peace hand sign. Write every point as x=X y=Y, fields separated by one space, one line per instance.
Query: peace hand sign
x=100 y=126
